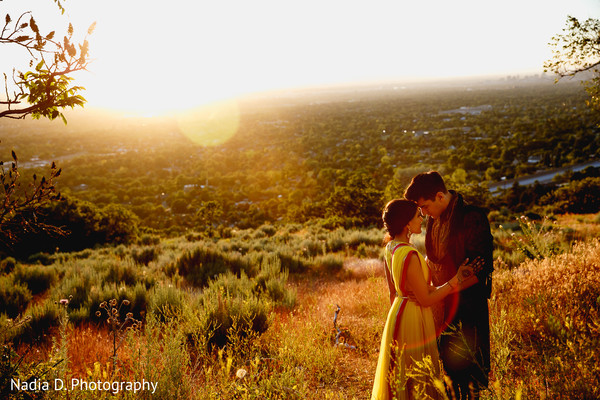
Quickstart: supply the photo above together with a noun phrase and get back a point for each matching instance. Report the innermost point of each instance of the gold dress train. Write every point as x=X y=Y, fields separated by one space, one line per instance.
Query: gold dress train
x=410 y=326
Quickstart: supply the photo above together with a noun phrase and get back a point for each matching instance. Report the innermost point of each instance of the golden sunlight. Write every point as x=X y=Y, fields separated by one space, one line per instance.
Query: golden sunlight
x=155 y=57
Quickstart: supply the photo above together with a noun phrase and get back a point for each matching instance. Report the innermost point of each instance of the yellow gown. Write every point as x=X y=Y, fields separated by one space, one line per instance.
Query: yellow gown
x=413 y=328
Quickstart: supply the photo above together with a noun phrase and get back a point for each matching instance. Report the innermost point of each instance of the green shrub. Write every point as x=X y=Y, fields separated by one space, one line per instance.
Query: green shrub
x=290 y=262
x=361 y=251
x=335 y=241
x=269 y=230
x=311 y=247
x=40 y=258
x=145 y=255
x=44 y=317
x=166 y=301
x=372 y=237
x=147 y=239
x=202 y=264
x=83 y=254
x=329 y=263
x=78 y=285
x=271 y=282
x=14 y=297
x=231 y=285
x=38 y=278
x=122 y=272
x=7 y=265
x=80 y=315
x=223 y=310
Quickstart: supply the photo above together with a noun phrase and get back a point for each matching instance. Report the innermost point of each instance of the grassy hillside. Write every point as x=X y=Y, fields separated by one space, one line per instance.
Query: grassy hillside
x=251 y=316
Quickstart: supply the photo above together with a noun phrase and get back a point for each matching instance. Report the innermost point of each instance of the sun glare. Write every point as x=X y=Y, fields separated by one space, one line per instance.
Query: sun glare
x=154 y=57
x=212 y=124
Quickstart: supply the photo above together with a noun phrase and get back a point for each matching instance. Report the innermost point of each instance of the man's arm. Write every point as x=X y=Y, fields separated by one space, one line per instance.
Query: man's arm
x=480 y=243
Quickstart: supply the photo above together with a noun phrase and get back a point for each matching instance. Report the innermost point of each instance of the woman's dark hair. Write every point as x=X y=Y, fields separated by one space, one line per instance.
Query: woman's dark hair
x=396 y=215
x=425 y=186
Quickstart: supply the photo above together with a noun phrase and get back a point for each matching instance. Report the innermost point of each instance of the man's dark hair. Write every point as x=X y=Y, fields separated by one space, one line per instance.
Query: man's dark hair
x=425 y=186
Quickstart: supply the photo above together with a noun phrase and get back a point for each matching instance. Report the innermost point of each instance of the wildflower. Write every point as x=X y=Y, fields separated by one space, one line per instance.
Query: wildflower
x=98 y=313
x=126 y=302
x=241 y=373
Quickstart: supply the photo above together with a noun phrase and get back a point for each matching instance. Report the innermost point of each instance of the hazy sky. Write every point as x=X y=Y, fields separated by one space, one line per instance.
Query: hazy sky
x=171 y=54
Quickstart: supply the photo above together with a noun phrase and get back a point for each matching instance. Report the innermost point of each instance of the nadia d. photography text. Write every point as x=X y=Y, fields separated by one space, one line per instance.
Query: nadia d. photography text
x=80 y=384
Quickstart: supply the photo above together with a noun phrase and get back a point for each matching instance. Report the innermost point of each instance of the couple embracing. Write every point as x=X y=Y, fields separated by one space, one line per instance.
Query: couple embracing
x=439 y=308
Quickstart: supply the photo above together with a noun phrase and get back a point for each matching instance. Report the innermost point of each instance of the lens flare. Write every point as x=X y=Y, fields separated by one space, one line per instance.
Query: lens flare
x=212 y=124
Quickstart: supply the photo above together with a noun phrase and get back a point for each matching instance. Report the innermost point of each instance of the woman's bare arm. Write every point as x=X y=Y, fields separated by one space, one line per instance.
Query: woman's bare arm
x=390 y=283
x=415 y=282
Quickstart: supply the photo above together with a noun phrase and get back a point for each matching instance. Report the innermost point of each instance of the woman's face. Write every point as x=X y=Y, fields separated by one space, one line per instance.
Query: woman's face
x=415 y=224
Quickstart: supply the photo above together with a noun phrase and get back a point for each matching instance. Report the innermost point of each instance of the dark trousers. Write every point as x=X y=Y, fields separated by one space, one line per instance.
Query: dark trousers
x=465 y=361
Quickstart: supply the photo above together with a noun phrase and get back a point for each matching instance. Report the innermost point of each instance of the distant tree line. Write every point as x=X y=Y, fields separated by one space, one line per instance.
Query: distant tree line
x=335 y=162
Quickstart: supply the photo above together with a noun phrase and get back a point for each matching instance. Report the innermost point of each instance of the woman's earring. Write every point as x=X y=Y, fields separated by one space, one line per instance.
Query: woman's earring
x=409 y=231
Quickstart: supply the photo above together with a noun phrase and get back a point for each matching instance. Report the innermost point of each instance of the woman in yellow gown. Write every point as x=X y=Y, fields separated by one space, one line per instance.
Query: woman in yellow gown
x=409 y=335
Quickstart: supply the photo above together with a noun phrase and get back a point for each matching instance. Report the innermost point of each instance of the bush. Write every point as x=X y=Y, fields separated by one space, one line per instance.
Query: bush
x=40 y=258
x=336 y=242
x=312 y=247
x=271 y=282
x=122 y=272
x=38 y=278
x=225 y=310
x=78 y=285
x=44 y=317
x=166 y=302
x=290 y=262
x=329 y=263
x=145 y=255
x=7 y=265
x=203 y=264
x=269 y=230
x=147 y=239
x=14 y=297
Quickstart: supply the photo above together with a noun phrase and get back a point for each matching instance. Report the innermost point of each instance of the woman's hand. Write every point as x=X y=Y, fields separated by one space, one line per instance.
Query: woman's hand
x=468 y=269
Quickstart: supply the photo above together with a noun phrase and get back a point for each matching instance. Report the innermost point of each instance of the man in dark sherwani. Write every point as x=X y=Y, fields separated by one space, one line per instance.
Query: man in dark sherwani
x=456 y=231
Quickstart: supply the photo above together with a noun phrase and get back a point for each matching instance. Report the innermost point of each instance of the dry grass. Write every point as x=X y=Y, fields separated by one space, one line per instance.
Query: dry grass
x=361 y=293
x=552 y=308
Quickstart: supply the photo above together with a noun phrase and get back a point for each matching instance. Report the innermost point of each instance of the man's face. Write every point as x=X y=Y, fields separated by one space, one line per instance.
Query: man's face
x=433 y=208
